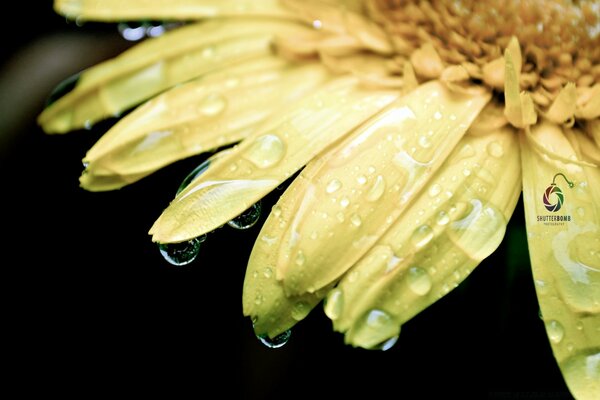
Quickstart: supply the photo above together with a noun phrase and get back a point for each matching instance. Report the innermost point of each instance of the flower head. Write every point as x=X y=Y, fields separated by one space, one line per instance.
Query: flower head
x=417 y=125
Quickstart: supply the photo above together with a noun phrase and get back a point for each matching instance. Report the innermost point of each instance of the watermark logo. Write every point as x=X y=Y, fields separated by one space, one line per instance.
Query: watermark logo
x=554 y=199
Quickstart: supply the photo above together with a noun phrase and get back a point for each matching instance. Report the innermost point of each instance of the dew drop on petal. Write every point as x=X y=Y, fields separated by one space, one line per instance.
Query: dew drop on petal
x=183 y=253
x=421 y=236
x=212 y=105
x=333 y=186
x=435 y=190
x=388 y=344
x=132 y=31
x=247 y=219
x=374 y=329
x=495 y=149
x=276 y=342
x=555 y=331
x=300 y=310
x=442 y=218
x=418 y=281
x=377 y=189
x=334 y=304
x=266 y=151
x=356 y=220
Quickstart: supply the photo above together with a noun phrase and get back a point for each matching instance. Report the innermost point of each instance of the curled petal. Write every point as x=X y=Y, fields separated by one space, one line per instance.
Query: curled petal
x=563 y=225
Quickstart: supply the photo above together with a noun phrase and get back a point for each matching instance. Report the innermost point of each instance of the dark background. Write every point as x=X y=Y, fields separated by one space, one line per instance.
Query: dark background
x=92 y=308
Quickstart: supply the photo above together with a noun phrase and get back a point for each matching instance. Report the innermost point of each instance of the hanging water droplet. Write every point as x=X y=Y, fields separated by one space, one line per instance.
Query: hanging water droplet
x=377 y=189
x=333 y=186
x=196 y=172
x=555 y=331
x=212 y=105
x=63 y=88
x=183 y=253
x=334 y=304
x=418 y=281
x=266 y=151
x=421 y=236
x=247 y=219
x=495 y=149
x=132 y=31
x=276 y=342
x=388 y=344
x=374 y=329
x=300 y=310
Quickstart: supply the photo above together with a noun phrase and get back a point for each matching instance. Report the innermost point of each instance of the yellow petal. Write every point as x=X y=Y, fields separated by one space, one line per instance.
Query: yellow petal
x=589 y=106
x=118 y=10
x=283 y=144
x=368 y=180
x=563 y=223
x=458 y=220
x=196 y=117
x=563 y=107
x=159 y=63
x=427 y=62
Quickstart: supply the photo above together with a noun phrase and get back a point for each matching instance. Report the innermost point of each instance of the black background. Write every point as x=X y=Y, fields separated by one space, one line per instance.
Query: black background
x=92 y=308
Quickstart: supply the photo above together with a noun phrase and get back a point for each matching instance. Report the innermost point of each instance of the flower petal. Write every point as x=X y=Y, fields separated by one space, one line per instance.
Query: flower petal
x=445 y=232
x=199 y=116
x=563 y=225
x=368 y=180
x=118 y=10
x=159 y=63
x=283 y=144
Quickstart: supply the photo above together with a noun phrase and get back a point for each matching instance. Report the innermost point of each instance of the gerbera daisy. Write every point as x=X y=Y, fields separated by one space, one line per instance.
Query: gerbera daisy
x=418 y=124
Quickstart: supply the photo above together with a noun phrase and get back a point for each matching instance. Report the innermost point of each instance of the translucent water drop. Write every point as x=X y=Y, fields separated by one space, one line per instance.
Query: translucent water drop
x=356 y=220
x=196 y=172
x=317 y=24
x=344 y=202
x=300 y=310
x=132 y=31
x=209 y=52
x=377 y=190
x=333 y=186
x=334 y=304
x=212 y=105
x=437 y=115
x=247 y=219
x=63 y=88
x=424 y=142
x=276 y=342
x=495 y=149
x=442 y=218
x=300 y=258
x=421 y=236
x=374 y=328
x=435 y=190
x=388 y=344
x=266 y=151
x=183 y=253
x=418 y=281
x=361 y=180
x=277 y=210
x=268 y=273
x=555 y=331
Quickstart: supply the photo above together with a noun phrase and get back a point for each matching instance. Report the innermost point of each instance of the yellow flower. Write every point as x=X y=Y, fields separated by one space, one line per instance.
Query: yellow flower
x=419 y=124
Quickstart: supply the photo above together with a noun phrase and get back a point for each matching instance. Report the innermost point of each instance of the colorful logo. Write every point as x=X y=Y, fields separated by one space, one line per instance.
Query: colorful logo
x=557 y=192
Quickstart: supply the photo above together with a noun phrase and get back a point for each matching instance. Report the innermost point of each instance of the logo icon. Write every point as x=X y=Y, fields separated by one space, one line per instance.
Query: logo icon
x=557 y=192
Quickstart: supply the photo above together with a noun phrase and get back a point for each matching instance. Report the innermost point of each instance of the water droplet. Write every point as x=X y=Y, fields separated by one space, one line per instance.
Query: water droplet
x=258 y=299
x=442 y=218
x=418 y=281
x=247 y=219
x=361 y=179
x=555 y=331
x=424 y=142
x=421 y=236
x=196 y=172
x=266 y=151
x=340 y=217
x=132 y=31
x=344 y=202
x=300 y=310
x=317 y=24
x=333 y=186
x=480 y=232
x=356 y=220
x=435 y=190
x=579 y=325
x=209 y=52
x=582 y=372
x=388 y=344
x=437 y=115
x=268 y=273
x=495 y=149
x=183 y=253
x=374 y=329
x=276 y=342
x=377 y=189
x=63 y=88
x=300 y=258
x=212 y=105
x=334 y=304
x=466 y=172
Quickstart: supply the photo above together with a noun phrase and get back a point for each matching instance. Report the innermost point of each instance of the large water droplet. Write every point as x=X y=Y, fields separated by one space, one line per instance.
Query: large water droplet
x=276 y=342
x=300 y=310
x=333 y=186
x=374 y=329
x=183 y=253
x=442 y=218
x=266 y=151
x=495 y=149
x=247 y=219
x=63 y=88
x=334 y=304
x=212 y=105
x=421 y=236
x=356 y=220
x=388 y=344
x=377 y=190
x=555 y=331
x=132 y=31
x=418 y=281
x=196 y=172
x=480 y=232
